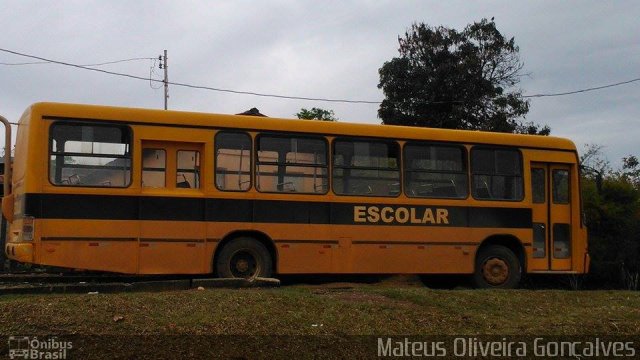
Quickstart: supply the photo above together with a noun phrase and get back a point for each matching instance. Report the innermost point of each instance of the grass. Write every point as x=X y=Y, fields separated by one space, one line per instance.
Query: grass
x=354 y=309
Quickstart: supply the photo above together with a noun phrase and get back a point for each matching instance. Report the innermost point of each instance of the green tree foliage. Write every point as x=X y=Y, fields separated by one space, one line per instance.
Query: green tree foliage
x=631 y=170
x=317 y=114
x=612 y=213
x=452 y=79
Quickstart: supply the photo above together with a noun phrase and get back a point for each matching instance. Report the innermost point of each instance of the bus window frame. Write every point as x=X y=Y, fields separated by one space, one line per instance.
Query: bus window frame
x=72 y=121
x=251 y=159
x=197 y=170
x=399 y=147
x=497 y=147
x=143 y=169
x=465 y=162
x=285 y=135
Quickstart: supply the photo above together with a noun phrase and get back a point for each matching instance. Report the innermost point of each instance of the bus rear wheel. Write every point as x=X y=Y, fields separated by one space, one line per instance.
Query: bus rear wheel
x=496 y=267
x=245 y=258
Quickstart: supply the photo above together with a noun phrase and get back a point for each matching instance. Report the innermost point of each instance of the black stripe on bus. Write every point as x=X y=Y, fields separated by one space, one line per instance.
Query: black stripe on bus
x=105 y=207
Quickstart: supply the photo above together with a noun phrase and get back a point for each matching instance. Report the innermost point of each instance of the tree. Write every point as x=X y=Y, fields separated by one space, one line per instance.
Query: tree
x=316 y=114
x=594 y=165
x=453 y=79
x=631 y=170
x=611 y=205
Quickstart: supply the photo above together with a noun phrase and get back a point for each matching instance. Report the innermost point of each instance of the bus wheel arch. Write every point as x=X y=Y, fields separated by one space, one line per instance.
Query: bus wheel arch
x=245 y=236
x=500 y=262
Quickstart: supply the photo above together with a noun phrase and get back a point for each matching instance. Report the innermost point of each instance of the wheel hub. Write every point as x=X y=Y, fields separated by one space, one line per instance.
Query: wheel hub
x=242 y=265
x=495 y=271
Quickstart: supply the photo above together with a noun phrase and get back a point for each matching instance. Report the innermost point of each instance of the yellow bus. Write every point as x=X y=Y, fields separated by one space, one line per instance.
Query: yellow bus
x=142 y=191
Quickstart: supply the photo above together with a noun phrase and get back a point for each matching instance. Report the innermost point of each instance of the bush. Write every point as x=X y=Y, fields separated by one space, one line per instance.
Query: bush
x=613 y=218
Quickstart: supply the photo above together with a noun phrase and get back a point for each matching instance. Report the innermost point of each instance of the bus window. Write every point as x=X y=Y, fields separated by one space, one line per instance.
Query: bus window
x=233 y=161
x=362 y=167
x=188 y=169
x=154 y=168
x=435 y=171
x=90 y=155
x=560 y=187
x=291 y=164
x=538 y=185
x=496 y=174
x=561 y=241
x=539 y=240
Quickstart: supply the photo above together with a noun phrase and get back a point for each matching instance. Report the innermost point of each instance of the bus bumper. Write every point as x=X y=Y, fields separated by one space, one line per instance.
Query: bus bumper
x=22 y=252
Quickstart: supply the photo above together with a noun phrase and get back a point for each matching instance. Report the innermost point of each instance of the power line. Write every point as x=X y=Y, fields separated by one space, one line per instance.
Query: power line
x=53 y=62
x=189 y=85
x=120 y=61
x=582 y=90
x=25 y=63
x=86 y=67
x=77 y=66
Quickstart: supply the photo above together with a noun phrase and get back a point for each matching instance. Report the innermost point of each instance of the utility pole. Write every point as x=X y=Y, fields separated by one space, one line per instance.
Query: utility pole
x=164 y=64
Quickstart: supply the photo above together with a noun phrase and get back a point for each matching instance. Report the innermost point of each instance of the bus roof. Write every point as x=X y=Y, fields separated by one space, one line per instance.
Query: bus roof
x=204 y=120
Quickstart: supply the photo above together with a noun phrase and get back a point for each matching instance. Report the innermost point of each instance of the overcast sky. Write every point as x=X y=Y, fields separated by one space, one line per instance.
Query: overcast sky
x=320 y=49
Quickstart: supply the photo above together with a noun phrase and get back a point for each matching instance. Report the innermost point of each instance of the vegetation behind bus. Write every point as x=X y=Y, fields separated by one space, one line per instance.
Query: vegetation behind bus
x=612 y=213
x=316 y=114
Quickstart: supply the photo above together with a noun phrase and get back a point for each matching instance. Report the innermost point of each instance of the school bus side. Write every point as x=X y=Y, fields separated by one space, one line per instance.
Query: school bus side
x=172 y=229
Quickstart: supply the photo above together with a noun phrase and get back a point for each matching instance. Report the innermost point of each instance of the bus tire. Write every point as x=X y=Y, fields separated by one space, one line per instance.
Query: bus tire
x=496 y=267
x=244 y=257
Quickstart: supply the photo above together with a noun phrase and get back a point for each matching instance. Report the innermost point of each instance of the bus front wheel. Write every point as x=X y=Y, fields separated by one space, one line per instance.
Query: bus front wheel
x=496 y=267
x=245 y=258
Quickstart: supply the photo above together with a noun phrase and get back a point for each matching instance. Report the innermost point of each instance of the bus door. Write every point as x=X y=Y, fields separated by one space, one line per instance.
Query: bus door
x=551 y=206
